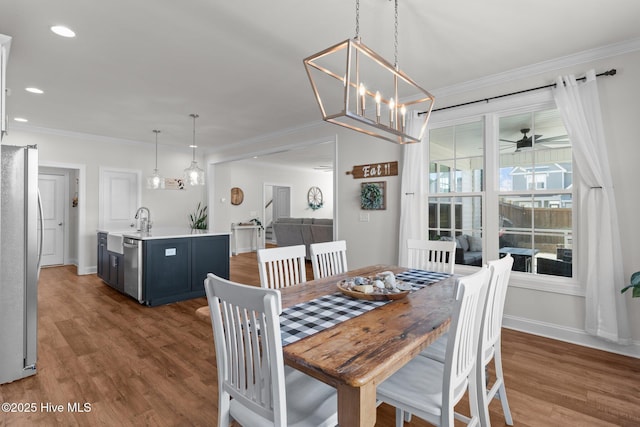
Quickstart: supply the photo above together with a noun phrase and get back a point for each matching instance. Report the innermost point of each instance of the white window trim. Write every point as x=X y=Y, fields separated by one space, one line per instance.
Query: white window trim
x=491 y=112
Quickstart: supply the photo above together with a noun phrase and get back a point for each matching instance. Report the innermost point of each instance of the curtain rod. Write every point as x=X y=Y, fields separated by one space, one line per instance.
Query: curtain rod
x=611 y=72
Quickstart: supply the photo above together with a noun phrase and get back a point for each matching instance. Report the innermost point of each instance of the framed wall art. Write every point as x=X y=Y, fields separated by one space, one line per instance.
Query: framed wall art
x=174 y=184
x=373 y=195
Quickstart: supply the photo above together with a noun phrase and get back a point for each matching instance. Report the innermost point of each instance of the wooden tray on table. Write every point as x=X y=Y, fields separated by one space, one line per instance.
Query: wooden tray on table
x=377 y=295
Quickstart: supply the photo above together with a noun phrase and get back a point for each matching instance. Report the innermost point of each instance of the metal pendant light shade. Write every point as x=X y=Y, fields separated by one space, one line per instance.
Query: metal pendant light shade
x=360 y=90
x=193 y=175
x=155 y=181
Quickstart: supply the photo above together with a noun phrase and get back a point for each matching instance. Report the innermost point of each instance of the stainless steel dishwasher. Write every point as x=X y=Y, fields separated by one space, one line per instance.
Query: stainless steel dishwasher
x=133 y=268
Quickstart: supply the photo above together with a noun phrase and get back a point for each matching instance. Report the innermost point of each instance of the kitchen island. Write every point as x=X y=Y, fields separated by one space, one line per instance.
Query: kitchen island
x=162 y=266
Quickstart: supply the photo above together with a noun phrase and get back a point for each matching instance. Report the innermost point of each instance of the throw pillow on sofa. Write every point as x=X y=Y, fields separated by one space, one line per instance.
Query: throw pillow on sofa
x=475 y=243
x=462 y=242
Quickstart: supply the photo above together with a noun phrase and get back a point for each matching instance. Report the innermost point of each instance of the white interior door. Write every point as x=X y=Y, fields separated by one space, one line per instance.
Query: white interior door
x=281 y=202
x=119 y=198
x=52 y=195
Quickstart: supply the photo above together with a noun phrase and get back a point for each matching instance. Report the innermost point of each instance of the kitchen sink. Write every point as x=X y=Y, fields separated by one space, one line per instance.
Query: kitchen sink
x=115 y=242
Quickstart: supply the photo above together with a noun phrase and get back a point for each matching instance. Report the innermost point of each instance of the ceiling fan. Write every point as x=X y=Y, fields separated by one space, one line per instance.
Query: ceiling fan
x=528 y=141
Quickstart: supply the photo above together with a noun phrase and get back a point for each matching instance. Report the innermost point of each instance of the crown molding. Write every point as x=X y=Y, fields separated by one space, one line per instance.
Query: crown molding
x=266 y=137
x=544 y=67
x=72 y=134
x=274 y=150
x=88 y=136
x=123 y=141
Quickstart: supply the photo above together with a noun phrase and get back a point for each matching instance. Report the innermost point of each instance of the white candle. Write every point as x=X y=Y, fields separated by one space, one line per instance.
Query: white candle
x=392 y=106
x=362 y=101
x=378 y=98
x=403 y=110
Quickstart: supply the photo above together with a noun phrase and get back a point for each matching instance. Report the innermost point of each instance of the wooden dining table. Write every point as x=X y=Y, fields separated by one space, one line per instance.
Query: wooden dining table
x=356 y=355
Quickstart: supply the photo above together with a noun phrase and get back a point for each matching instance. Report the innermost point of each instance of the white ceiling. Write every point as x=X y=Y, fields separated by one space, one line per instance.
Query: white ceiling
x=147 y=64
x=317 y=157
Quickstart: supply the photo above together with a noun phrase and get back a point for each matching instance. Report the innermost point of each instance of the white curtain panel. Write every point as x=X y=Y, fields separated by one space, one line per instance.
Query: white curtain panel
x=597 y=244
x=412 y=218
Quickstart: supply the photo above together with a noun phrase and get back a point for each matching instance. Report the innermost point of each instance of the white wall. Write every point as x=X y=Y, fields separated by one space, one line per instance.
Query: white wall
x=372 y=242
x=251 y=176
x=376 y=240
x=169 y=208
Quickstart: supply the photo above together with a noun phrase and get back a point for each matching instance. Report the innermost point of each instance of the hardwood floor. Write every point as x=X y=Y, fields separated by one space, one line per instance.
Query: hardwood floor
x=136 y=365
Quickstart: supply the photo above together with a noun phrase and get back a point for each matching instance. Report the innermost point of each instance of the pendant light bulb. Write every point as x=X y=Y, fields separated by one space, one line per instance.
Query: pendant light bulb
x=193 y=175
x=155 y=181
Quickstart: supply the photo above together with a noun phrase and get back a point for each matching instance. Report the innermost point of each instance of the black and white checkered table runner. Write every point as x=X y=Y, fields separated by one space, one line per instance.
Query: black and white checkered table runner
x=421 y=278
x=307 y=318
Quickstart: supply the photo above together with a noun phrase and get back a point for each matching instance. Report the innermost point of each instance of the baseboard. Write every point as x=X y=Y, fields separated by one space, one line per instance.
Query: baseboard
x=87 y=270
x=570 y=335
x=245 y=250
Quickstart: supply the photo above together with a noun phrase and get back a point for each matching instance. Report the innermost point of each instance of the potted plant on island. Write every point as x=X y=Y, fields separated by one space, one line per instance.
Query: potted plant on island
x=635 y=285
x=198 y=219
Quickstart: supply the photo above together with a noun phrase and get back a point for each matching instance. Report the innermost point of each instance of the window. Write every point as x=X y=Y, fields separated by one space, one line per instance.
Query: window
x=456 y=184
x=536 y=181
x=530 y=205
x=535 y=167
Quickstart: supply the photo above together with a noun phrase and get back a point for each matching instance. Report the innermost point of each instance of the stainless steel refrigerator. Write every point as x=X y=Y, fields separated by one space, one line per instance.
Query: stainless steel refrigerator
x=20 y=240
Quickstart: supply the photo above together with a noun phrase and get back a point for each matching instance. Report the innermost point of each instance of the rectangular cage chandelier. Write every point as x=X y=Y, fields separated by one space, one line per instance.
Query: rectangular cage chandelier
x=360 y=90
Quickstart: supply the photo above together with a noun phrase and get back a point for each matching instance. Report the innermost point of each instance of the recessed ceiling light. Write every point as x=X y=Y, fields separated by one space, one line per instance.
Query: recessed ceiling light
x=63 y=31
x=20 y=119
x=34 y=90
x=193 y=146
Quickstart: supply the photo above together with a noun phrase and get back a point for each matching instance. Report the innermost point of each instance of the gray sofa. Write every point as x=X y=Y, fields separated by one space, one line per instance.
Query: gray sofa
x=302 y=231
x=468 y=249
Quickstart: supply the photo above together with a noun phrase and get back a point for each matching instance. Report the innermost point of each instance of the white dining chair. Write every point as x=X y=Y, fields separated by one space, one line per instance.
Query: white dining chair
x=328 y=258
x=430 y=389
x=255 y=388
x=282 y=267
x=489 y=345
x=431 y=255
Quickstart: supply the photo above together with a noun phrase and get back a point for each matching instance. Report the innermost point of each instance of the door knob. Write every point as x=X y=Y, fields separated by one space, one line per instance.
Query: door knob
x=60 y=224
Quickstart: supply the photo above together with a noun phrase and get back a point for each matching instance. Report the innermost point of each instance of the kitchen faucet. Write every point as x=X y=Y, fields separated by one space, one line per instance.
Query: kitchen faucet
x=145 y=223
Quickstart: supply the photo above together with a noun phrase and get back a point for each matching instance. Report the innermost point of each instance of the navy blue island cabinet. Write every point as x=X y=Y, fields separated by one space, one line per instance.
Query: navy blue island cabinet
x=110 y=264
x=174 y=269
